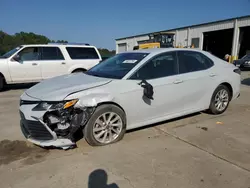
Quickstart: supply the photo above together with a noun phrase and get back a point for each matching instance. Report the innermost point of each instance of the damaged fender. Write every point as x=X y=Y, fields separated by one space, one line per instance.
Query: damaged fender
x=91 y=99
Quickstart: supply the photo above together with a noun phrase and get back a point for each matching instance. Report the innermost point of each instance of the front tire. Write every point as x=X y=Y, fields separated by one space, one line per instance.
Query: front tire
x=2 y=83
x=220 y=100
x=106 y=126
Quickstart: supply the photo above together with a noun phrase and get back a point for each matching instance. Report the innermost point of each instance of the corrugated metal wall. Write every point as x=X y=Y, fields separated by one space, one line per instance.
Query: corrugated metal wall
x=244 y=22
x=184 y=36
x=130 y=42
x=181 y=37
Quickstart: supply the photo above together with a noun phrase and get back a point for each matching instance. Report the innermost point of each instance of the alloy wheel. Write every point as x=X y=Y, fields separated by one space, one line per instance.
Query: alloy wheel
x=221 y=100
x=107 y=127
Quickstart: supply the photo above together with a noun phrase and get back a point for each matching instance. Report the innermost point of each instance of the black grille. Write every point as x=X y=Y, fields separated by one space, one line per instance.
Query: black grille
x=34 y=129
x=24 y=102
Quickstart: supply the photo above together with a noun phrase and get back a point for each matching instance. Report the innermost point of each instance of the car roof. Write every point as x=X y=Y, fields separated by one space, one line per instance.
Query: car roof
x=54 y=45
x=161 y=50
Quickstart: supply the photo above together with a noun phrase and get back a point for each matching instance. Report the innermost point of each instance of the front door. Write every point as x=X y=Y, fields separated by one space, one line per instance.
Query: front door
x=161 y=72
x=27 y=68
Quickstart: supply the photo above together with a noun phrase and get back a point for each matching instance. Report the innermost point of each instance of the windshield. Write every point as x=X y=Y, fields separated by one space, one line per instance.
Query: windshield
x=117 y=66
x=246 y=56
x=11 y=52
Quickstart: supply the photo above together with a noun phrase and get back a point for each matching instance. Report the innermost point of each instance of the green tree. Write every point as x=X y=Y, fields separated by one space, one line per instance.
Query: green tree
x=8 y=42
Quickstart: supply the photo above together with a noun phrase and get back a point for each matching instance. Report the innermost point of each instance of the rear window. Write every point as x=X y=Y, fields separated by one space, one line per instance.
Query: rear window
x=82 y=53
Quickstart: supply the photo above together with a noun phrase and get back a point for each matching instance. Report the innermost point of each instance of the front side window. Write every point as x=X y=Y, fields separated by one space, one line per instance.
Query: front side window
x=158 y=67
x=117 y=66
x=193 y=61
x=51 y=53
x=29 y=54
x=82 y=53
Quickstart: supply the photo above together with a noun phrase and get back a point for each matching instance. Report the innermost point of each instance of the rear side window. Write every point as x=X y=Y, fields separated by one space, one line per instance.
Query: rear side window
x=52 y=53
x=82 y=53
x=193 y=61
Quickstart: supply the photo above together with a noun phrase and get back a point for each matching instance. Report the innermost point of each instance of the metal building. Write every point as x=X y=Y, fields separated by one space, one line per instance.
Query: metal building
x=230 y=36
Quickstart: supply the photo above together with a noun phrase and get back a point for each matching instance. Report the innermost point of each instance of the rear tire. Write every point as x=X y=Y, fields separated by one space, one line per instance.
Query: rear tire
x=220 y=100
x=79 y=70
x=114 y=130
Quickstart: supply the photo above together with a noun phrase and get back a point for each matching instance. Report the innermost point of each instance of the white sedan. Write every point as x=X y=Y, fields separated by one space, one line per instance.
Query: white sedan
x=126 y=91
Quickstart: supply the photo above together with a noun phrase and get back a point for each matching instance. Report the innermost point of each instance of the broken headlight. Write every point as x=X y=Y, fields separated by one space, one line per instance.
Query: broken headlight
x=44 y=106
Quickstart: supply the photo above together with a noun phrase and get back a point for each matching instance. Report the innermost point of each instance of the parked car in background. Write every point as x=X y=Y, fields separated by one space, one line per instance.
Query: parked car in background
x=36 y=62
x=244 y=62
x=127 y=91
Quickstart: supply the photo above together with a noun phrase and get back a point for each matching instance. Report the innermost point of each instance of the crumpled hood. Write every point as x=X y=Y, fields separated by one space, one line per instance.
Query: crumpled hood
x=57 y=88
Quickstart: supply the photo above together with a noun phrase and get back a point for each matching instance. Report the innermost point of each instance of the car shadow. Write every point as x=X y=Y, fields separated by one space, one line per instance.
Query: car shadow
x=99 y=179
x=163 y=122
x=246 y=81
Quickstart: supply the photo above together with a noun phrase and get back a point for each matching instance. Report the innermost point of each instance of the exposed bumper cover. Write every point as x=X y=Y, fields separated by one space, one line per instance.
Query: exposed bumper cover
x=59 y=143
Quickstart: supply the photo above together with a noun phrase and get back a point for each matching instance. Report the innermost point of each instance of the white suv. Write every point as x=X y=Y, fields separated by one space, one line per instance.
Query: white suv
x=33 y=63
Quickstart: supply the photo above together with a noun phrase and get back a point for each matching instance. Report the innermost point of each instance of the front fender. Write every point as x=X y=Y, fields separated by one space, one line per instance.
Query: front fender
x=91 y=98
x=4 y=70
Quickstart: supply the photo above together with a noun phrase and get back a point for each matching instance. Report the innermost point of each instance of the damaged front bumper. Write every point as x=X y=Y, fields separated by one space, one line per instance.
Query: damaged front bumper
x=40 y=134
x=52 y=128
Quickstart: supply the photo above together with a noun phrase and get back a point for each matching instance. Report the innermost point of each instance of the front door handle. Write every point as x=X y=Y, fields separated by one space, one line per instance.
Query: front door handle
x=178 y=81
x=34 y=64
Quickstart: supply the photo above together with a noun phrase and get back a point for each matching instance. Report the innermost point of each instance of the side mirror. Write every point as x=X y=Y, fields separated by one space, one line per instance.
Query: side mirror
x=148 y=90
x=17 y=58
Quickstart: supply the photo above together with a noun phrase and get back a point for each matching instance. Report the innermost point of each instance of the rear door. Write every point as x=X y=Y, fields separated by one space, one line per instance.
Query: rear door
x=27 y=69
x=52 y=62
x=196 y=75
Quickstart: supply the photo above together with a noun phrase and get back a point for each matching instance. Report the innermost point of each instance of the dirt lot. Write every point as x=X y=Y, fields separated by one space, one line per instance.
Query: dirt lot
x=196 y=151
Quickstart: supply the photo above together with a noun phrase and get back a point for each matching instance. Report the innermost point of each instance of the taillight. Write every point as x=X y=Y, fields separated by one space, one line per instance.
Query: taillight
x=237 y=71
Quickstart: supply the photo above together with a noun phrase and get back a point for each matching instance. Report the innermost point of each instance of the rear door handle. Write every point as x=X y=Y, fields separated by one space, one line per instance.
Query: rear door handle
x=212 y=75
x=178 y=81
x=63 y=63
x=34 y=63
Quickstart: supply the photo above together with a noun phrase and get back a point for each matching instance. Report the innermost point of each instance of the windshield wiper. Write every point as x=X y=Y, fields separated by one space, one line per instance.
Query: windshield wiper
x=92 y=74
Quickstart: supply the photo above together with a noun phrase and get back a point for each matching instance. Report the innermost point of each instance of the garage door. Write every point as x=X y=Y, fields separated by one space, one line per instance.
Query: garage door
x=122 y=47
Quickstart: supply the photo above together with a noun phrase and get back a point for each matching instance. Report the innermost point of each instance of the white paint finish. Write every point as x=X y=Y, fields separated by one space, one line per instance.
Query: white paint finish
x=51 y=69
x=182 y=37
x=171 y=99
x=27 y=71
x=35 y=71
x=188 y=37
x=167 y=96
x=244 y=22
x=141 y=38
x=176 y=38
x=122 y=47
x=235 y=41
x=57 y=88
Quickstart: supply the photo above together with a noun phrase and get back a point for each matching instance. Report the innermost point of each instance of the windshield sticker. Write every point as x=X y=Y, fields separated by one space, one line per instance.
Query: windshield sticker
x=129 y=61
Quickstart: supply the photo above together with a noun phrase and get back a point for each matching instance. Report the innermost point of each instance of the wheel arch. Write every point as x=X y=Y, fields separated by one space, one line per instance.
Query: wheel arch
x=1 y=75
x=113 y=103
x=78 y=69
x=228 y=85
